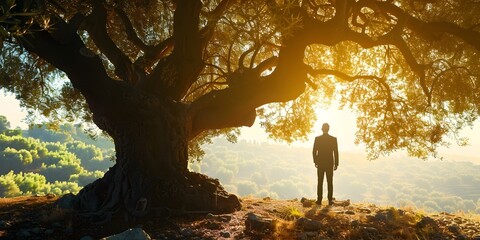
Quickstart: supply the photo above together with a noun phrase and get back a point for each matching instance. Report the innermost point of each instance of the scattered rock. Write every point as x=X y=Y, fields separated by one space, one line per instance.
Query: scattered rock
x=365 y=210
x=455 y=229
x=383 y=216
x=225 y=234
x=370 y=232
x=258 y=223
x=211 y=225
x=130 y=234
x=476 y=237
x=302 y=236
x=307 y=202
x=341 y=203
x=427 y=222
x=350 y=212
x=461 y=237
x=222 y=218
x=309 y=224
x=187 y=232
x=355 y=223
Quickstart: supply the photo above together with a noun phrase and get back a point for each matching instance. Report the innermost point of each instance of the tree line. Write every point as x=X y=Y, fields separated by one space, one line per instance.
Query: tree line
x=42 y=161
x=285 y=172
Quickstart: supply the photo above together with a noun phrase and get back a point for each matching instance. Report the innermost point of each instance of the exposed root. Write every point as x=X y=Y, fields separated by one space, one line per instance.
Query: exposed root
x=136 y=195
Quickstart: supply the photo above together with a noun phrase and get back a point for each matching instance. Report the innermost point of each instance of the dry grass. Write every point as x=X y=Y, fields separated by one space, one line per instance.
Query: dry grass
x=290 y=213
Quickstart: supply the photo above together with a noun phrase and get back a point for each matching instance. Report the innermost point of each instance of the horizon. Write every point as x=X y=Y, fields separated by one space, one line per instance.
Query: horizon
x=344 y=130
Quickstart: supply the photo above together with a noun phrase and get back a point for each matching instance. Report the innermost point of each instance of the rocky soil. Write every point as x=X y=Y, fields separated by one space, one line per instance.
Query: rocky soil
x=39 y=218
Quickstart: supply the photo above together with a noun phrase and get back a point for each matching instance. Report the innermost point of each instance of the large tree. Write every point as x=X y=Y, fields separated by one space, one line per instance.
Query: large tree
x=162 y=77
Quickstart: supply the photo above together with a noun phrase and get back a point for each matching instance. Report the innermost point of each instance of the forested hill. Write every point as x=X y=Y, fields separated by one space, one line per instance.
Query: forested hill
x=278 y=171
x=41 y=161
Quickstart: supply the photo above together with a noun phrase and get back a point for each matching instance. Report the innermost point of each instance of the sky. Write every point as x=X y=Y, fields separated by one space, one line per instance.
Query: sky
x=342 y=126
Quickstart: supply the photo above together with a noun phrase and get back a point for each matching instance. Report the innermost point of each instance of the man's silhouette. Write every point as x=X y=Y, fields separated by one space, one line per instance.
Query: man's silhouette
x=325 y=157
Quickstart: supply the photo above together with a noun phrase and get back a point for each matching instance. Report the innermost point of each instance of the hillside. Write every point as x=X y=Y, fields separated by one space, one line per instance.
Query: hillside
x=37 y=218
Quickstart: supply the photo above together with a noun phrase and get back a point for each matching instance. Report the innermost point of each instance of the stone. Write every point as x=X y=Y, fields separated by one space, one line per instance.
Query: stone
x=130 y=234
x=383 y=216
x=223 y=218
x=476 y=237
x=302 y=236
x=355 y=223
x=258 y=223
x=350 y=212
x=454 y=229
x=370 y=232
x=225 y=234
x=308 y=224
x=209 y=224
x=307 y=202
x=365 y=210
x=426 y=222
x=187 y=232
x=461 y=237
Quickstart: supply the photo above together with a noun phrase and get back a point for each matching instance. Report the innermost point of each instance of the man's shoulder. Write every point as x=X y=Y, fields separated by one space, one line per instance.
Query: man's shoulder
x=332 y=138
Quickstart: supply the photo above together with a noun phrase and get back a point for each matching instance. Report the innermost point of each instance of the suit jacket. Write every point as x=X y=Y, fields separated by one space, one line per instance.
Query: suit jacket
x=325 y=151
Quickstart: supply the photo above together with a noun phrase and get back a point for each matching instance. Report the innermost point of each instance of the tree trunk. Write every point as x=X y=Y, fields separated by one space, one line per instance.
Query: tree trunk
x=151 y=143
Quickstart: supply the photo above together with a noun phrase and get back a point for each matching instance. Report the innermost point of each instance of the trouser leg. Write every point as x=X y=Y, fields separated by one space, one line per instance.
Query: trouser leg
x=329 y=174
x=320 y=175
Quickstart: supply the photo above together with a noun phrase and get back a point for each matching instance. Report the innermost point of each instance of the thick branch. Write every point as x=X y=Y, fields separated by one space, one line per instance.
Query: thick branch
x=97 y=28
x=429 y=30
x=64 y=49
x=130 y=30
x=380 y=81
x=174 y=75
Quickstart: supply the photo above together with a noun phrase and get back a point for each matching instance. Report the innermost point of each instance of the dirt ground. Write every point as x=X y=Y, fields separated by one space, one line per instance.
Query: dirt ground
x=38 y=218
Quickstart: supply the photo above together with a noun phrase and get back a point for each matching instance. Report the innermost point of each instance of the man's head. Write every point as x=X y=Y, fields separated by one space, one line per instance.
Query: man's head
x=325 y=128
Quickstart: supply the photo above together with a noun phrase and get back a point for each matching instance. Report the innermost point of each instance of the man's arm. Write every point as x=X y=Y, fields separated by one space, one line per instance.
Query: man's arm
x=335 y=152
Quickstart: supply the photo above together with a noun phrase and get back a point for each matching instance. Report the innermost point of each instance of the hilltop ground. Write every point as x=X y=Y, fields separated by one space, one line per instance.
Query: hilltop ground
x=37 y=218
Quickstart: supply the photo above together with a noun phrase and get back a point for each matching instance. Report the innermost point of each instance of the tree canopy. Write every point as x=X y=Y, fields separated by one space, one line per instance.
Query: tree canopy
x=409 y=69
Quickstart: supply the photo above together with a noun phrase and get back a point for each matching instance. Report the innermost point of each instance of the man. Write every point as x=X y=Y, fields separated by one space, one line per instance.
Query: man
x=325 y=157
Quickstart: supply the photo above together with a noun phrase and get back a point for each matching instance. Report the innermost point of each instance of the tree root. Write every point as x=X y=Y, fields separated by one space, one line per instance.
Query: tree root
x=137 y=195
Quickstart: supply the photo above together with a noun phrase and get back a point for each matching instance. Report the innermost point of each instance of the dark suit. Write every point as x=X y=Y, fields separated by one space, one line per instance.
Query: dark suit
x=325 y=157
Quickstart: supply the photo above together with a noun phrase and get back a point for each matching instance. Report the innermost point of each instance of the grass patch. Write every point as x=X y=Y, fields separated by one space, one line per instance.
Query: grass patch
x=290 y=213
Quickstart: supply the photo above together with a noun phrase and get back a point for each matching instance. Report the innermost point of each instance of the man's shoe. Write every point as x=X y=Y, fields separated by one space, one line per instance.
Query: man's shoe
x=330 y=202
x=319 y=202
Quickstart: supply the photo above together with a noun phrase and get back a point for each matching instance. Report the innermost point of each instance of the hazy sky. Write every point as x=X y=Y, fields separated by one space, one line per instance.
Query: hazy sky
x=342 y=126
